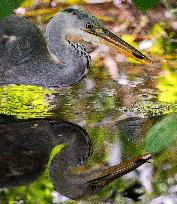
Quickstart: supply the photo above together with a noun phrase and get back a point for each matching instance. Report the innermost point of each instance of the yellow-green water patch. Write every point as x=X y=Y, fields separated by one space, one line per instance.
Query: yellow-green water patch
x=24 y=101
x=167 y=85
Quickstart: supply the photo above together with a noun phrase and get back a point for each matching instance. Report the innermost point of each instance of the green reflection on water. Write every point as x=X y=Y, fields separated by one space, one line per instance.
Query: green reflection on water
x=24 y=101
x=161 y=135
x=167 y=85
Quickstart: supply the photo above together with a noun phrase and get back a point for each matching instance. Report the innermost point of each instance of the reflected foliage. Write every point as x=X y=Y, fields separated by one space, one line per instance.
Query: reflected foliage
x=37 y=192
x=7 y=7
x=167 y=86
x=145 y=5
x=161 y=135
x=24 y=101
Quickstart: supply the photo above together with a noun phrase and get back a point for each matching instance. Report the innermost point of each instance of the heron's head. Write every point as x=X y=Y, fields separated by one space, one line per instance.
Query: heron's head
x=94 y=181
x=90 y=29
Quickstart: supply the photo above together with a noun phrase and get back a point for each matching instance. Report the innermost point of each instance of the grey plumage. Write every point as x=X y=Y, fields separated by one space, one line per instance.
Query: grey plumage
x=25 y=59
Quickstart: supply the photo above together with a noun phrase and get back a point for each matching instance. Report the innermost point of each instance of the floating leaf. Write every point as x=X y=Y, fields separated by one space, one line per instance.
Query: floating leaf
x=161 y=135
x=145 y=5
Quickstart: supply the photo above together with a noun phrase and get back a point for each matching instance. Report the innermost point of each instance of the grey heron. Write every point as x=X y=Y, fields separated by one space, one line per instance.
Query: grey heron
x=25 y=147
x=61 y=59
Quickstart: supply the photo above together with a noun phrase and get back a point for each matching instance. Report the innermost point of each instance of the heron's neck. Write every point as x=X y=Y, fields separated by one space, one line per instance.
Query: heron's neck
x=61 y=51
x=75 y=152
x=77 y=145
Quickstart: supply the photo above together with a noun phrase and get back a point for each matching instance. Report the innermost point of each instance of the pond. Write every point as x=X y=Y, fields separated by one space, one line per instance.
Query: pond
x=116 y=114
x=127 y=109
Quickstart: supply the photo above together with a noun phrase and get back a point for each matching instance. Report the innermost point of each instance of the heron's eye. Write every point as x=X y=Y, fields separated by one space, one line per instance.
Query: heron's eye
x=92 y=187
x=89 y=26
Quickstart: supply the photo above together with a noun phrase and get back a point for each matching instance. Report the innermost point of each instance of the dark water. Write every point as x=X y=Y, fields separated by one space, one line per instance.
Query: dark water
x=117 y=108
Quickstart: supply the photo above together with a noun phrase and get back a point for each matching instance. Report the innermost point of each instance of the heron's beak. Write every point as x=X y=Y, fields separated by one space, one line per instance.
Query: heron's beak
x=112 y=40
x=103 y=177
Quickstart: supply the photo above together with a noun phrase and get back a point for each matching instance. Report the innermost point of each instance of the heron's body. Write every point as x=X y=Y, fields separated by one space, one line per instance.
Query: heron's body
x=25 y=148
x=26 y=57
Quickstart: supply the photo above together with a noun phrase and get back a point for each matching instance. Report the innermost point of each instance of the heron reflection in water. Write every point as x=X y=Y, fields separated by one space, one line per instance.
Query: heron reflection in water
x=25 y=149
x=60 y=60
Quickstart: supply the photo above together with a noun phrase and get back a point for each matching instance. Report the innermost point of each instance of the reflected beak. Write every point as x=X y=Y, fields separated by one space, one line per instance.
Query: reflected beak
x=112 y=40
x=109 y=174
